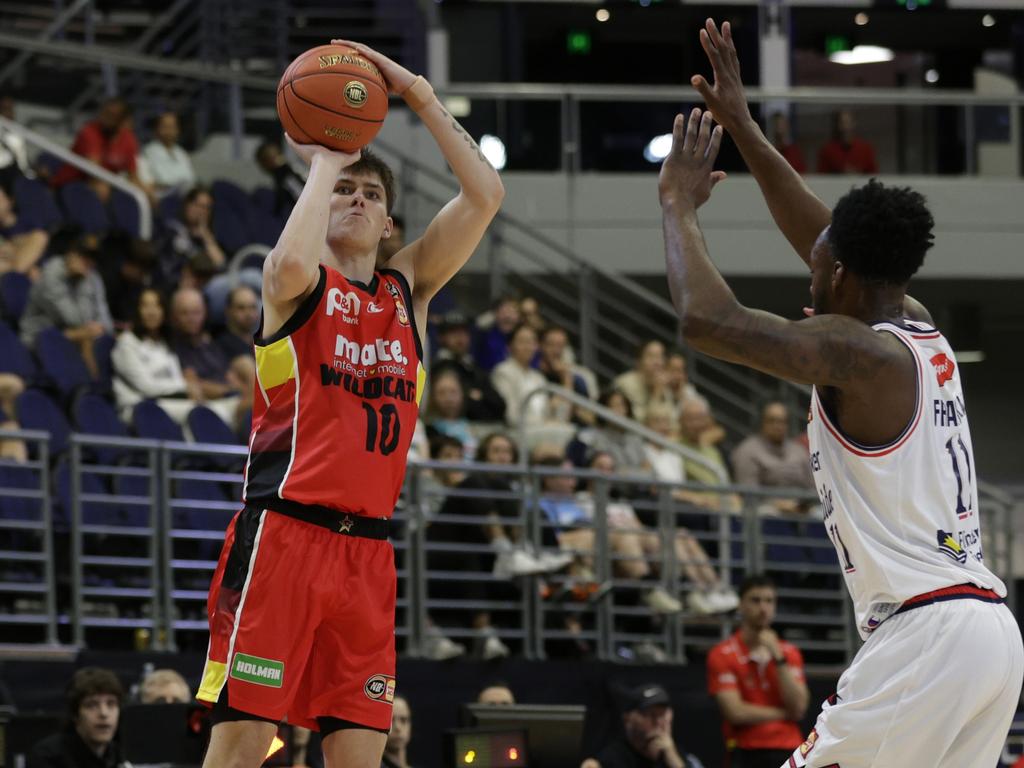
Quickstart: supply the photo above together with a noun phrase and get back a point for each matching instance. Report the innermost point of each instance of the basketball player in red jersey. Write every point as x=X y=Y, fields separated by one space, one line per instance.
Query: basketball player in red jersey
x=890 y=444
x=302 y=602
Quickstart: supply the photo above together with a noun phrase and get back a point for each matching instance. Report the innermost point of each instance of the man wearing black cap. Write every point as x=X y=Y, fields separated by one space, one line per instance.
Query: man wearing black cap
x=483 y=403
x=647 y=739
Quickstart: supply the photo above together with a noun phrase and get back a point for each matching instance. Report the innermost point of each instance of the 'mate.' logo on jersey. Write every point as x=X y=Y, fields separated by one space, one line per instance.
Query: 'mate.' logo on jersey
x=944 y=367
x=346 y=303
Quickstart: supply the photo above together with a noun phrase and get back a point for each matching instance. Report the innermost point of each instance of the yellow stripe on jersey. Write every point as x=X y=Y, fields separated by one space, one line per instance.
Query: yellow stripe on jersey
x=275 y=363
x=421 y=380
x=213 y=680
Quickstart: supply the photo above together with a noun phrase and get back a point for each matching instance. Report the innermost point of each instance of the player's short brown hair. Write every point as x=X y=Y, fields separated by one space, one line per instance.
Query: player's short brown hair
x=369 y=162
x=91 y=681
x=755 y=581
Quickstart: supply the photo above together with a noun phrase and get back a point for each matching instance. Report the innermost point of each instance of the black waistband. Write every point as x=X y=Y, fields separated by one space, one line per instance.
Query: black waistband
x=344 y=523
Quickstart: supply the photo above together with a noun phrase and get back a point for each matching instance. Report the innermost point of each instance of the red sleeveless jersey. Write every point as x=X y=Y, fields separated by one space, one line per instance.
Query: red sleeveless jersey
x=337 y=398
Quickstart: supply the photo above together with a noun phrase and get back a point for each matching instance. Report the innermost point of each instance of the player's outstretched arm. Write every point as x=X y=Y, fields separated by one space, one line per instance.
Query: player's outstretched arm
x=456 y=230
x=292 y=267
x=797 y=211
x=829 y=350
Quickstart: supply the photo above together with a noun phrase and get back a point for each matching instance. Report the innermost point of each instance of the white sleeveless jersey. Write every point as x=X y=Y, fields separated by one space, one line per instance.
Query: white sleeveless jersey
x=904 y=516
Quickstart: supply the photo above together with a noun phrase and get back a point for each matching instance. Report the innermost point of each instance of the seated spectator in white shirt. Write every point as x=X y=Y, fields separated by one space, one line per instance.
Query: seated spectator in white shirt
x=647 y=383
x=145 y=366
x=168 y=166
x=69 y=295
x=515 y=379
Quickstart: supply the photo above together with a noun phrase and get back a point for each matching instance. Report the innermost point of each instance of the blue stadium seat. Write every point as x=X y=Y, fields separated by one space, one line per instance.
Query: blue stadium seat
x=14 y=357
x=124 y=212
x=14 y=288
x=94 y=415
x=136 y=514
x=228 y=195
x=61 y=362
x=230 y=229
x=49 y=162
x=36 y=410
x=264 y=200
x=83 y=207
x=151 y=421
x=13 y=478
x=102 y=350
x=207 y=427
x=779 y=552
x=266 y=229
x=93 y=512
x=36 y=207
x=168 y=208
x=191 y=498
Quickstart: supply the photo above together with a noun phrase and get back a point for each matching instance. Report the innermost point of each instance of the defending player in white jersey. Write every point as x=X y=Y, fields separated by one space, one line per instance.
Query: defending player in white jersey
x=938 y=679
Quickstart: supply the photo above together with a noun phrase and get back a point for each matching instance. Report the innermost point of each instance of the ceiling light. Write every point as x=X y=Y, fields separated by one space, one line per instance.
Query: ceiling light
x=988 y=20
x=931 y=76
x=602 y=14
x=860 y=19
x=494 y=150
x=658 y=148
x=862 y=54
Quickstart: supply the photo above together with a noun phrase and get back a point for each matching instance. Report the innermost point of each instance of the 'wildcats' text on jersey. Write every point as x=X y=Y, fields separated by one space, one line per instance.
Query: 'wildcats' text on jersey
x=904 y=516
x=337 y=396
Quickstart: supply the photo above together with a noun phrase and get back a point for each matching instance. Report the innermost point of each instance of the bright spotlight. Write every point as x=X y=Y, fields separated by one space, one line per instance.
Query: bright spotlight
x=988 y=20
x=494 y=150
x=931 y=76
x=862 y=54
x=602 y=14
x=658 y=148
x=860 y=19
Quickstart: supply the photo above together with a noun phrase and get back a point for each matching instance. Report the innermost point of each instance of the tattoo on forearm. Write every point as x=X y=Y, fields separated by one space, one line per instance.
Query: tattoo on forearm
x=462 y=132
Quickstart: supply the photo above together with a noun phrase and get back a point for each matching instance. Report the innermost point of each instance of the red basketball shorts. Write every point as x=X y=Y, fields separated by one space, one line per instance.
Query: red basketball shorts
x=302 y=623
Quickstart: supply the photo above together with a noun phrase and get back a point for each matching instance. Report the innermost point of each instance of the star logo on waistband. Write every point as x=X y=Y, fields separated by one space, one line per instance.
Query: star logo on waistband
x=346 y=524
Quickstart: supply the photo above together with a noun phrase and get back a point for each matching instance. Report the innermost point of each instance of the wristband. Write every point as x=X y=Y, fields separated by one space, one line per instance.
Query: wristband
x=419 y=94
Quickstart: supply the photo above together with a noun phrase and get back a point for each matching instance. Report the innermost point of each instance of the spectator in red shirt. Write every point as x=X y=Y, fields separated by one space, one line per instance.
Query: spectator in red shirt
x=846 y=153
x=758 y=681
x=783 y=140
x=108 y=141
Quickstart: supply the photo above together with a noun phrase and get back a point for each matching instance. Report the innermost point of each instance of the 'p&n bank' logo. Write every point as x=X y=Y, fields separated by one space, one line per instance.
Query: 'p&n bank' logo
x=347 y=303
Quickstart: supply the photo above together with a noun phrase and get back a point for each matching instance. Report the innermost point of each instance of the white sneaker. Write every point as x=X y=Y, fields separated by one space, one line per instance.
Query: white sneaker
x=490 y=647
x=649 y=653
x=554 y=561
x=660 y=601
x=516 y=562
x=700 y=602
x=437 y=647
x=724 y=600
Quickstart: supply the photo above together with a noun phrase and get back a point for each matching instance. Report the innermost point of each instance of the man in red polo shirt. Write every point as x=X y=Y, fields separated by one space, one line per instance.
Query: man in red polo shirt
x=846 y=152
x=758 y=681
x=108 y=141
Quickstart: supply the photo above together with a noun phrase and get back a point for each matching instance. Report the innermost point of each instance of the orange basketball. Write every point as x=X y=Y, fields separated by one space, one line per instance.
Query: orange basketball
x=331 y=95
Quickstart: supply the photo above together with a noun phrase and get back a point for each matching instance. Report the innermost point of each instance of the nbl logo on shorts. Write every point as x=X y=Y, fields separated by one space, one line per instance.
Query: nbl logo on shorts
x=380 y=688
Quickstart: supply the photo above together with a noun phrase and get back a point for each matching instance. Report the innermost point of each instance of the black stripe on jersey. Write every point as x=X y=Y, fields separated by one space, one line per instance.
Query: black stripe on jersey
x=266 y=471
x=236 y=569
x=403 y=285
x=299 y=316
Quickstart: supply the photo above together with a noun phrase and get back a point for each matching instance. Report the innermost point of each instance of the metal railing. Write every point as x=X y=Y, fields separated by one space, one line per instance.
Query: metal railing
x=90 y=169
x=146 y=521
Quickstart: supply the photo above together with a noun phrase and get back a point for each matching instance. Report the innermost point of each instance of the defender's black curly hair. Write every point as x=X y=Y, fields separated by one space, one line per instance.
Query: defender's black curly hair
x=881 y=233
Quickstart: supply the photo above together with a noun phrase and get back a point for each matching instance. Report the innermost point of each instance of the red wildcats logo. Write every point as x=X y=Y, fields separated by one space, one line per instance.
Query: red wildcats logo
x=944 y=367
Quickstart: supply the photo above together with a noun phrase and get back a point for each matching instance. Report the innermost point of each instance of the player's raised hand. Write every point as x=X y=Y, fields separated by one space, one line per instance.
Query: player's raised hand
x=397 y=77
x=308 y=151
x=687 y=175
x=725 y=98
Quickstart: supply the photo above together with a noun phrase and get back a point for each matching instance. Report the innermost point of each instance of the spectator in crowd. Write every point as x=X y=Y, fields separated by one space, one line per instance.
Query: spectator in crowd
x=225 y=386
x=846 y=152
x=242 y=316
x=529 y=313
x=128 y=267
x=445 y=413
x=69 y=295
x=515 y=379
x=496 y=694
x=108 y=141
x=393 y=243
x=771 y=459
x=167 y=165
x=288 y=183
x=555 y=365
x=399 y=736
x=164 y=686
x=145 y=367
x=20 y=249
x=699 y=432
x=189 y=253
x=647 y=740
x=782 y=140
x=677 y=380
x=486 y=502
x=13 y=157
x=758 y=682
x=493 y=330
x=94 y=698
x=625 y=447
x=646 y=384
x=483 y=403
